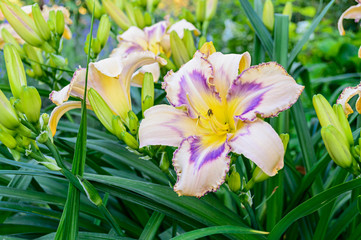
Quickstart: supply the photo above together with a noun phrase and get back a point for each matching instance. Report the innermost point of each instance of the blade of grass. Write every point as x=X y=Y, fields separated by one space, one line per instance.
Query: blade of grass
x=259 y=54
x=152 y=226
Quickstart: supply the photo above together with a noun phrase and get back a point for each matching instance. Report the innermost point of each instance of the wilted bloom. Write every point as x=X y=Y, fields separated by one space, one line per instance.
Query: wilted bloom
x=155 y=39
x=353 y=12
x=110 y=78
x=215 y=111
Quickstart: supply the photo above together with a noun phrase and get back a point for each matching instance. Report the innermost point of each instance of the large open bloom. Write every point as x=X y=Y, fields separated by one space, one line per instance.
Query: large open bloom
x=155 y=39
x=110 y=78
x=215 y=111
x=353 y=12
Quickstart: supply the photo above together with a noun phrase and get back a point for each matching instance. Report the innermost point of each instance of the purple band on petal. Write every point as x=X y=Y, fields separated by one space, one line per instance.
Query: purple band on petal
x=198 y=79
x=239 y=89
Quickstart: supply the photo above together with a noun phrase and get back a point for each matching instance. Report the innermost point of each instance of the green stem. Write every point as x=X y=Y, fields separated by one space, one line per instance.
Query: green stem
x=111 y=219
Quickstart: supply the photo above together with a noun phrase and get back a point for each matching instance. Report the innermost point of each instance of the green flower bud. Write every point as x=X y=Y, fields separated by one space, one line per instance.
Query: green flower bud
x=189 y=42
x=285 y=138
x=51 y=164
x=91 y=192
x=164 y=162
x=58 y=60
x=187 y=15
x=8 y=38
x=170 y=65
x=234 y=181
x=202 y=41
x=43 y=137
x=60 y=23
x=21 y=23
x=129 y=10
x=288 y=10
x=201 y=10
x=35 y=56
x=346 y=129
x=116 y=14
x=52 y=20
x=258 y=175
x=96 y=46
x=42 y=28
x=15 y=69
x=179 y=51
x=98 y=11
x=16 y=154
x=44 y=120
x=103 y=30
x=147 y=91
x=139 y=18
x=118 y=127
x=211 y=7
x=339 y=150
x=8 y=140
x=147 y=19
x=101 y=109
x=268 y=15
x=31 y=103
x=8 y=116
x=129 y=140
x=133 y=122
x=30 y=73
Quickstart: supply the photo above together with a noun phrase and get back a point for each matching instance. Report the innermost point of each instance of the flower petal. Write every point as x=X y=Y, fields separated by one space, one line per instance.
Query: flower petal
x=134 y=35
x=181 y=25
x=265 y=89
x=137 y=78
x=261 y=144
x=155 y=33
x=192 y=86
x=165 y=125
x=60 y=110
x=201 y=165
x=353 y=12
x=226 y=67
x=345 y=97
x=125 y=48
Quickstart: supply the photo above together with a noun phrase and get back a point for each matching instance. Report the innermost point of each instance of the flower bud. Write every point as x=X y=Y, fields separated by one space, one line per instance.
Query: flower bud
x=164 y=162
x=60 y=23
x=43 y=137
x=179 y=51
x=103 y=30
x=58 y=60
x=98 y=11
x=44 y=120
x=129 y=140
x=8 y=140
x=285 y=138
x=15 y=69
x=259 y=176
x=288 y=10
x=133 y=122
x=51 y=164
x=338 y=150
x=139 y=18
x=8 y=116
x=129 y=10
x=211 y=7
x=35 y=55
x=189 y=42
x=16 y=154
x=52 y=20
x=187 y=15
x=31 y=103
x=118 y=127
x=234 y=181
x=201 y=10
x=147 y=19
x=21 y=23
x=116 y=14
x=96 y=46
x=8 y=38
x=147 y=91
x=268 y=15
x=91 y=192
x=346 y=129
x=42 y=28
x=170 y=65
x=101 y=109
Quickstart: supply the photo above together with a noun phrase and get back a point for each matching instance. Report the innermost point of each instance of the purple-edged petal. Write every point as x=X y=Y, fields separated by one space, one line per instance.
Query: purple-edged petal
x=201 y=165
x=155 y=33
x=259 y=142
x=181 y=25
x=125 y=48
x=138 y=76
x=165 y=125
x=192 y=86
x=265 y=89
x=134 y=35
x=226 y=68
x=345 y=97
x=353 y=12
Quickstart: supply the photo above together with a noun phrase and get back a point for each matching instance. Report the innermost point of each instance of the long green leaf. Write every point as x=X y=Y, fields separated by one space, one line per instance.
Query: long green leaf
x=152 y=226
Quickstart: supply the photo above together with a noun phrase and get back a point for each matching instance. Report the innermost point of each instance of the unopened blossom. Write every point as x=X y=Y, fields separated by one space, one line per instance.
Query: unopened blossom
x=214 y=111
x=12 y=32
x=353 y=12
x=110 y=78
x=155 y=39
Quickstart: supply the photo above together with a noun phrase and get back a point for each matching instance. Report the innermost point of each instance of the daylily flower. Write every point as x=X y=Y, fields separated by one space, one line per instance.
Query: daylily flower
x=214 y=111
x=353 y=12
x=155 y=39
x=345 y=97
x=110 y=78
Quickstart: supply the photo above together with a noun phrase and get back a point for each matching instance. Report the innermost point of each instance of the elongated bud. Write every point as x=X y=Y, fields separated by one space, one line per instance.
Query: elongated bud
x=21 y=23
x=147 y=91
x=129 y=140
x=8 y=140
x=34 y=54
x=139 y=18
x=8 y=116
x=164 y=162
x=96 y=46
x=129 y=10
x=103 y=30
x=201 y=10
x=116 y=14
x=285 y=138
x=51 y=164
x=338 y=150
x=268 y=15
x=258 y=175
x=31 y=103
x=101 y=109
x=202 y=41
x=15 y=69
x=52 y=20
x=234 y=181
x=170 y=65
x=43 y=137
x=211 y=8
x=44 y=120
x=60 y=23
x=288 y=10
x=8 y=38
x=179 y=51
x=187 y=15
x=147 y=19
x=42 y=28
x=189 y=42
x=91 y=192
x=133 y=122
x=16 y=154
x=98 y=11
x=118 y=127
x=207 y=48
x=346 y=129
x=58 y=60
